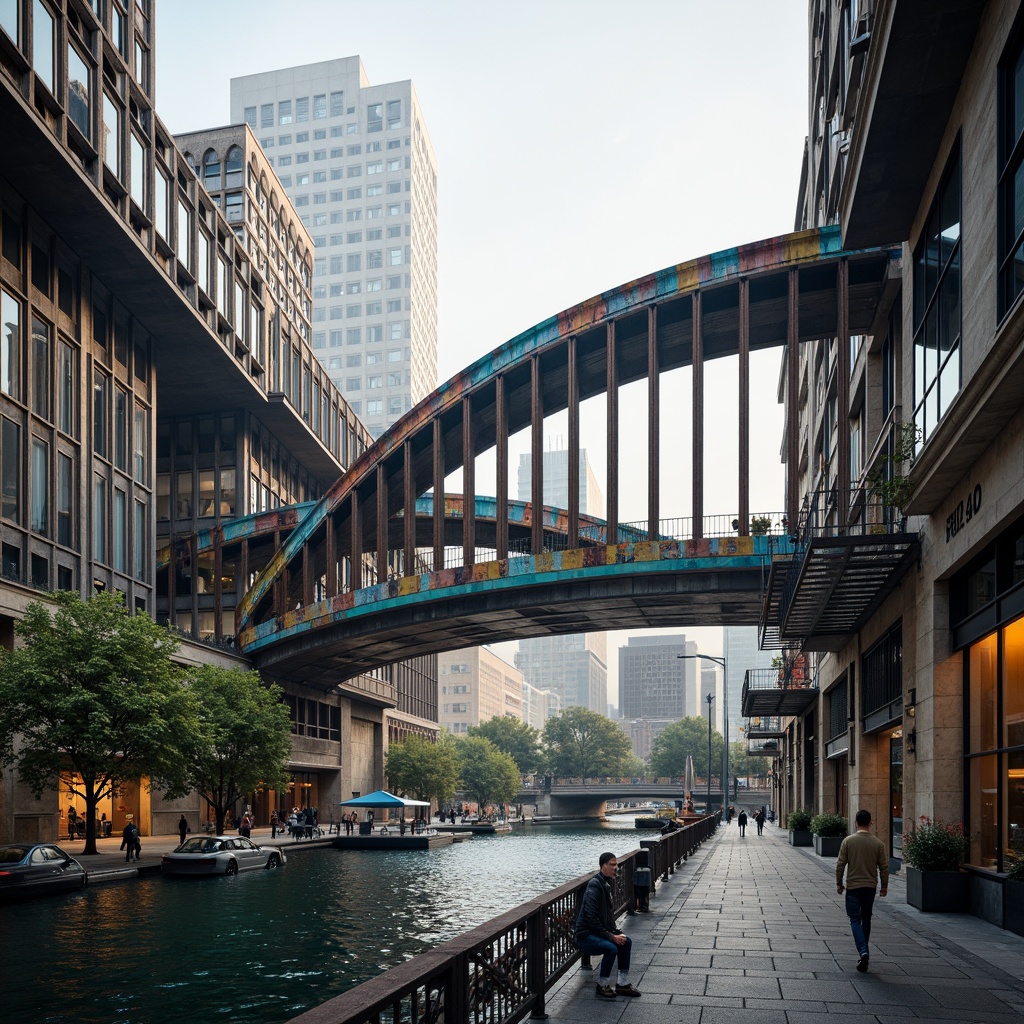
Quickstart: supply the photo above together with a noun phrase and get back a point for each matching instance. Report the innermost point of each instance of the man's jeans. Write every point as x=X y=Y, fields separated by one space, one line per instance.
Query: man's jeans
x=858 y=908
x=609 y=951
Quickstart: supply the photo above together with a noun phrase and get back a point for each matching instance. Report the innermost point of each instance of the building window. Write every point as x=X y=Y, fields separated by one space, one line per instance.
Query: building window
x=99 y=519
x=139 y=542
x=1011 y=172
x=101 y=399
x=319 y=107
x=43 y=45
x=65 y=498
x=266 y=115
x=337 y=104
x=250 y=116
x=40 y=489
x=375 y=117
x=394 y=114
x=66 y=406
x=284 y=112
x=112 y=135
x=138 y=170
x=937 y=306
x=120 y=530
x=41 y=373
x=302 y=109
x=10 y=345
x=79 y=106
x=10 y=471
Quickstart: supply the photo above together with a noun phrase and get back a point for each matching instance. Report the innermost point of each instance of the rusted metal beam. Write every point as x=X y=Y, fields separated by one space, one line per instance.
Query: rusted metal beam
x=501 y=465
x=653 y=425
x=438 y=513
x=612 y=436
x=744 y=409
x=356 y=574
x=468 y=484
x=843 y=390
x=792 y=405
x=697 y=496
x=574 y=447
x=409 y=512
x=383 y=565
x=537 y=455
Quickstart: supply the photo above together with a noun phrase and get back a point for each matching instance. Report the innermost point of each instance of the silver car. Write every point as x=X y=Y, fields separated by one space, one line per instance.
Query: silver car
x=219 y=855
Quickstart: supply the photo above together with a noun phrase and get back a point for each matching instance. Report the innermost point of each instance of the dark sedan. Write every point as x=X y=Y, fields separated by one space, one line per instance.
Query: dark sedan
x=34 y=870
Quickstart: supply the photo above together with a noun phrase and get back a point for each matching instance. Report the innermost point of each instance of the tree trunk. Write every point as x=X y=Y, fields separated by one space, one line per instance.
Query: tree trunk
x=90 y=817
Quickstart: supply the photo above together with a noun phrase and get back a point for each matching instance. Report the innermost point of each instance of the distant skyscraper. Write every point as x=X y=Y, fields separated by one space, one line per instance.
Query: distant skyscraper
x=739 y=648
x=356 y=161
x=474 y=686
x=575 y=666
x=654 y=682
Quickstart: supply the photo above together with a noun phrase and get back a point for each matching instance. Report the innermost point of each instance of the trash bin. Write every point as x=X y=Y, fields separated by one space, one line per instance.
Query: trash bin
x=366 y=828
x=642 y=881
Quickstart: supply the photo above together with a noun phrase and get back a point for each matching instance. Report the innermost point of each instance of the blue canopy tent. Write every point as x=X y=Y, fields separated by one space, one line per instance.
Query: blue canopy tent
x=382 y=798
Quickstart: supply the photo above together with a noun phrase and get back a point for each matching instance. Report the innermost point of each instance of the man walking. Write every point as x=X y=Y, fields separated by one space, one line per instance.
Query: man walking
x=862 y=856
x=596 y=932
x=742 y=822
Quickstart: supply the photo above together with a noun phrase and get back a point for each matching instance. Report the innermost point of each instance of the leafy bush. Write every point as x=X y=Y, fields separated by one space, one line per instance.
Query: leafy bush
x=799 y=821
x=1016 y=872
x=936 y=845
x=829 y=825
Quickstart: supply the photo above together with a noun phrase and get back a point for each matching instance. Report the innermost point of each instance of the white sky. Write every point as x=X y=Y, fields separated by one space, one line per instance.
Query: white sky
x=580 y=144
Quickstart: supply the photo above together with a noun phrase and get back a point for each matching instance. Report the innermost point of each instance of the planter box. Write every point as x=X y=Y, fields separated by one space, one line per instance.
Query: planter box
x=800 y=837
x=939 y=892
x=1013 y=907
x=828 y=846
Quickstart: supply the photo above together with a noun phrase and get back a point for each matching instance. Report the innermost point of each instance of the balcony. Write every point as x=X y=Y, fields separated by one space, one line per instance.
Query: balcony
x=838 y=576
x=765 y=727
x=764 y=748
x=774 y=693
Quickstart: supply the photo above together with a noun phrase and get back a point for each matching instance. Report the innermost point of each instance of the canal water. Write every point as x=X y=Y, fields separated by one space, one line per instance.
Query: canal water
x=264 y=946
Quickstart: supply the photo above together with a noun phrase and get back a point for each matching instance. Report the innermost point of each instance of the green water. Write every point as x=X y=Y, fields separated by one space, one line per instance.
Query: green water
x=264 y=946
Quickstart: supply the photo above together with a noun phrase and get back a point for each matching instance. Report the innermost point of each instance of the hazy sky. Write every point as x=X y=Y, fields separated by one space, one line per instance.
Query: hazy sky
x=580 y=144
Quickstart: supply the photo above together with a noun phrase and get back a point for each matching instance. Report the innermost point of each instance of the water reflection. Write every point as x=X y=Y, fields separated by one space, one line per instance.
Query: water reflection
x=264 y=946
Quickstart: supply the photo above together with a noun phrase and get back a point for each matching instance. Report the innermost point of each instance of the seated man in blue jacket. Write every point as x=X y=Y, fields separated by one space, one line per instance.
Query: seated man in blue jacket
x=596 y=932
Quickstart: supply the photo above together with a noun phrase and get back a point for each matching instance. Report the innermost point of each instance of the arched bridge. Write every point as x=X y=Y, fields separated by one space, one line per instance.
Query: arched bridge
x=358 y=583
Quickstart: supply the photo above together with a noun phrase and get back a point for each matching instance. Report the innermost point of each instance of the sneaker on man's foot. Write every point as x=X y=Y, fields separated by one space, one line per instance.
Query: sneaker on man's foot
x=626 y=990
x=862 y=963
x=605 y=992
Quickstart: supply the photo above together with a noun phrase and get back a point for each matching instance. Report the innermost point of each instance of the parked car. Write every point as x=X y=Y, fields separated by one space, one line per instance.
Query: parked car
x=28 y=869
x=219 y=855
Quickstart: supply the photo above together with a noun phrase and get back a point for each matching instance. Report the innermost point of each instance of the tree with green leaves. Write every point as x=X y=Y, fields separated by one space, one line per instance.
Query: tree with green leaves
x=742 y=764
x=515 y=737
x=242 y=737
x=582 y=743
x=687 y=736
x=92 y=702
x=424 y=770
x=489 y=775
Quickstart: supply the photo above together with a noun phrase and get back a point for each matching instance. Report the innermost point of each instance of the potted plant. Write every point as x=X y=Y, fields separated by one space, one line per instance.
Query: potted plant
x=760 y=525
x=934 y=852
x=1013 y=893
x=888 y=480
x=799 y=825
x=829 y=832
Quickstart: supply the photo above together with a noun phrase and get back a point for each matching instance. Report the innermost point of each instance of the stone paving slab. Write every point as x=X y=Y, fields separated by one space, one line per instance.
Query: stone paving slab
x=752 y=930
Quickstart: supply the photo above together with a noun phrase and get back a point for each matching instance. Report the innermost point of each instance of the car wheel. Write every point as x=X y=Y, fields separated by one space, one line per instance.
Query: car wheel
x=232 y=868
x=273 y=861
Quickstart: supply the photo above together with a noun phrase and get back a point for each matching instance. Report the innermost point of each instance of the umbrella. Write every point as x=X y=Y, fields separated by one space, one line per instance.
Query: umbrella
x=382 y=798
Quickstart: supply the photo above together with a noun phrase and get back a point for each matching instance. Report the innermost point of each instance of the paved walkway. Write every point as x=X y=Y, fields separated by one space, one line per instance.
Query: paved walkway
x=752 y=930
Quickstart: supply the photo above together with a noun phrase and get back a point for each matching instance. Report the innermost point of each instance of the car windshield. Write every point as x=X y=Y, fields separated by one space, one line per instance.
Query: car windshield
x=200 y=844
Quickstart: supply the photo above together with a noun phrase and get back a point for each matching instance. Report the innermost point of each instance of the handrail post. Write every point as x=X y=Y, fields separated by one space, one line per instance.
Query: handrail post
x=536 y=968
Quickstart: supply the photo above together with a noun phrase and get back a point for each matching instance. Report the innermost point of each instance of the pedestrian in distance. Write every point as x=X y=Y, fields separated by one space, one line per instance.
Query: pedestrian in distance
x=741 y=820
x=864 y=860
x=130 y=842
x=183 y=828
x=72 y=822
x=596 y=933
x=759 y=821
x=275 y=823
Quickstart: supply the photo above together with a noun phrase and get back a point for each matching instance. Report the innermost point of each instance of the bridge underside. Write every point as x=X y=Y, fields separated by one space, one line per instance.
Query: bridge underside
x=324 y=657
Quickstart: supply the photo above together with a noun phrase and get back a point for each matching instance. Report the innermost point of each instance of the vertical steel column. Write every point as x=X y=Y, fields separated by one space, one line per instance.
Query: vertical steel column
x=501 y=466
x=792 y=401
x=653 y=425
x=843 y=391
x=537 y=450
x=383 y=565
x=468 y=485
x=307 y=574
x=697 y=498
x=438 y=522
x=330 y=557
x=744 y=438
x=409 y=517
x=573 y=410
x=612 y=438
x=356 y=524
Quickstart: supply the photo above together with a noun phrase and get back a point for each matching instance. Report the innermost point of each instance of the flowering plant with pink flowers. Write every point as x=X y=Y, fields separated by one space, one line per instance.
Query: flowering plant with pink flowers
x=935 y=845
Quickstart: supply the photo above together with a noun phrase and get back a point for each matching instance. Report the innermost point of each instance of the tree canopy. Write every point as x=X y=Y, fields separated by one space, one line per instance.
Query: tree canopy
x=515 y=737
x=489 y=775
x=742 y=764
x=424 y=770
x=96 y=700
x=241 y=740
x=582 y=743
x=676 y=741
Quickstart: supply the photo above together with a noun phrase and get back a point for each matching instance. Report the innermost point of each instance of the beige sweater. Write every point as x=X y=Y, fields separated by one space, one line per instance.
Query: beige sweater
x=862 y=856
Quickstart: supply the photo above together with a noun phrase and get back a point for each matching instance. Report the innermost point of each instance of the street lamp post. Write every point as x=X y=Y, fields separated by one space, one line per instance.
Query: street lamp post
x=710 y=698
x=725 y=725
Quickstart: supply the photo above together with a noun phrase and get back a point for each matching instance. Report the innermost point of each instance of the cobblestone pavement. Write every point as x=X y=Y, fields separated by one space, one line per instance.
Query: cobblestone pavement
x=752 y=930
